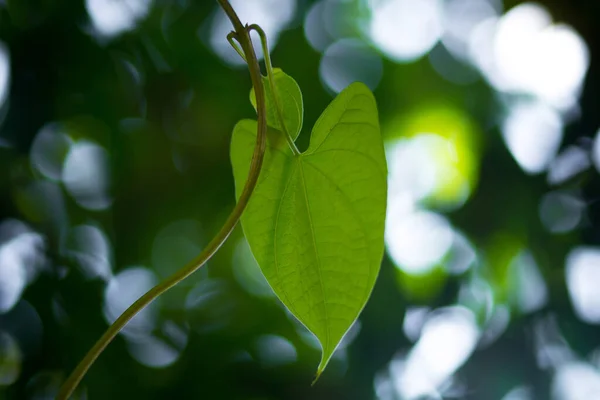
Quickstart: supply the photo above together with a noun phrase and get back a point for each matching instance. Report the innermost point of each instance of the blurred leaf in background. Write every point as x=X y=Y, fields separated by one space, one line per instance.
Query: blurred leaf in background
x=115 y=122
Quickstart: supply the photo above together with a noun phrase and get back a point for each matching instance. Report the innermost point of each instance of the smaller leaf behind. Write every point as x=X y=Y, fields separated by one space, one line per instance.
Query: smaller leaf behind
x=290 y=97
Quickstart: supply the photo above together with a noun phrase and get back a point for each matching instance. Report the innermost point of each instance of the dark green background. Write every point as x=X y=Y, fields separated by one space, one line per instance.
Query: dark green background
x=61 y=73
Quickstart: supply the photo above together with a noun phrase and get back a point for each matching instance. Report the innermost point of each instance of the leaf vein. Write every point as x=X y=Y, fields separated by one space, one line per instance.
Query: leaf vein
x=312 y=229
x=360 y=221
x=346 y=109
x=287 y=185
x=367 y=157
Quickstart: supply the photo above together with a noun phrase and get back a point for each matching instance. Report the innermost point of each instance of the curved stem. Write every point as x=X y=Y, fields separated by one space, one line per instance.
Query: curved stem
x=230 y=38
x=274 y=93
x=243 y=37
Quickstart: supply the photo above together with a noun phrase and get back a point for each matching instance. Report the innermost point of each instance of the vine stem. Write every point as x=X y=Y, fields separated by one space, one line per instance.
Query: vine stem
x=242 y=34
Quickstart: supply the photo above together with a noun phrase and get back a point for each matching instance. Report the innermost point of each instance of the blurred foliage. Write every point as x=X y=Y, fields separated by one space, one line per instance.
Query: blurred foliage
x=114 y=171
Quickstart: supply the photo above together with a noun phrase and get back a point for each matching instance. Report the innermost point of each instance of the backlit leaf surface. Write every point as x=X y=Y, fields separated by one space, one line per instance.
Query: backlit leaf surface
x=315 y=222
x=290 y=98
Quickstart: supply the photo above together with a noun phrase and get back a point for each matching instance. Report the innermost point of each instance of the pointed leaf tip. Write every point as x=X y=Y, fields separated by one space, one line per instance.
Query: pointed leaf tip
x=317 y=376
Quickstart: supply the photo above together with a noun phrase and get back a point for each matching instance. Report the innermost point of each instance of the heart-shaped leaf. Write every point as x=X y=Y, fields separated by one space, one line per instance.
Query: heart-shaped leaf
x=290 y=98
x=315 y=221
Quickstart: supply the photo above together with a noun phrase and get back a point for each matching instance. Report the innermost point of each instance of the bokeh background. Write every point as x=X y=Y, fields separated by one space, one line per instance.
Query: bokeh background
x=115 y=122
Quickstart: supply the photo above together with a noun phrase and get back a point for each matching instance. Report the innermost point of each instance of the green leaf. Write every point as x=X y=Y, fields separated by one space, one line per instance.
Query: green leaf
x=315 y=221
x=290 y=97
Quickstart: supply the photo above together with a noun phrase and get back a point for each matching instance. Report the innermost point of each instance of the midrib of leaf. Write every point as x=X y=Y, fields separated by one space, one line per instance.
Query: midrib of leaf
x=304 y=158
x=314 y=242
x=285 y=190
x=300 y=161
x=294 y=134
x=360 y=221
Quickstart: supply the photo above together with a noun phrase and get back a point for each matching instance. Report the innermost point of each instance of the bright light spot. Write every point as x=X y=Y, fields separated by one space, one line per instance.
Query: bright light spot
x=49 y=150
x=175 y=334
x=568 y=164
x=583 y=275
x=516 y=35
x=481 y=48
x=307 y=336
x=551 y=349
x=525 y=53
x=159 y=353
x=568 y=55
x=210 y=306
x=411 y=174
x=12 y=281
x=576 y=381
x=4 y=73
x=533 y=56
x=343 y=18
x=247 y=272
x=152 y=352
x=594 y=357
x=528 y=286
x=462 y=255
x=275 y=351
x=495 y=326
x=405 y=30
x=21 y=257
x=561 y=212
x=519 y=393
x=113 y=17
x=448 y=338
x=347 y=61
x=533 y=133
x=350 y=335
x=414 y=319
x=86 y=176
x=417 y=241
x=10 y=359
x=122 y=291
x=477 y=295
x=272 y=15
x=451 y=68
x=423 y=166
x=432 y=157
x=460 y=19
x=89 y=246
x=315 y=27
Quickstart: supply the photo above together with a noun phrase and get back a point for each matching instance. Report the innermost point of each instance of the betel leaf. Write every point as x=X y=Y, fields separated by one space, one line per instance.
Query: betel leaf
x=290 y=98
x=315 y=221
